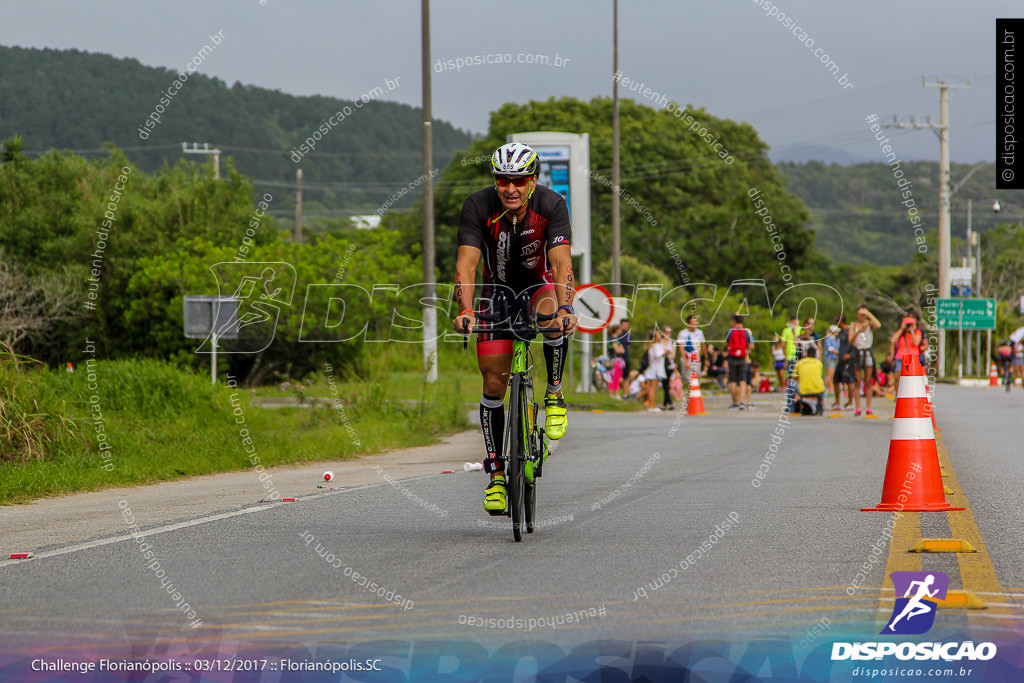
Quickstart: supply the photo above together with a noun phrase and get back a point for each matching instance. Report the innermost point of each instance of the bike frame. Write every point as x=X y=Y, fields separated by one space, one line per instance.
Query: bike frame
x=524 y=448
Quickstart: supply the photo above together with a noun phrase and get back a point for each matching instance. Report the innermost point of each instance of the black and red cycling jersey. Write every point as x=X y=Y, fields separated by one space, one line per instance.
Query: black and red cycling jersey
x=515 y=253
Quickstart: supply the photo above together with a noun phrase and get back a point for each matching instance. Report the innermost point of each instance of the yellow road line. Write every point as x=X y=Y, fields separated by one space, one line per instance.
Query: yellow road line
x=976 y=570
x=905 y=533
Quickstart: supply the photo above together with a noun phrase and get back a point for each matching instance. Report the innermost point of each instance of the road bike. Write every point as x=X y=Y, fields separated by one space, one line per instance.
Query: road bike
x=601 y=374
x=525 y=448
x=1007 y=364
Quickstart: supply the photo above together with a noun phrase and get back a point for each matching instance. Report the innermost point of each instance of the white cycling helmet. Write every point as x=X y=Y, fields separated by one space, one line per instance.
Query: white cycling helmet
x=514 y=159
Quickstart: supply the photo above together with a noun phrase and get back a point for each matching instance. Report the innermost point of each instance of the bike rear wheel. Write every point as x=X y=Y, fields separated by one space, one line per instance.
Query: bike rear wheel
x=516 y=479
x=530 y=467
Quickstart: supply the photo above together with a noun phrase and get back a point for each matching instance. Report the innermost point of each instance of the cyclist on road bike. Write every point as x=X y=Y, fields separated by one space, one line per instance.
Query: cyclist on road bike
x=1018 y=353
x=521 y=231
x=1005 y=355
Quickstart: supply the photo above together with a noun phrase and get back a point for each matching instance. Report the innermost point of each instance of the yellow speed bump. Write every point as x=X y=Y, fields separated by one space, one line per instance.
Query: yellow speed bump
x=942 y=545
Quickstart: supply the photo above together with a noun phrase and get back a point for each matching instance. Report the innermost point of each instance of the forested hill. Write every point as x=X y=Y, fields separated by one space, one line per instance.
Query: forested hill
x=75 y=100
x=69 y=99
x=857 y=210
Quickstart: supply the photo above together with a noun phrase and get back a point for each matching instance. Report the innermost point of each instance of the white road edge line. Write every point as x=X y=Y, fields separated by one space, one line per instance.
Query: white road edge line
x=36 y=555
x=127 y=537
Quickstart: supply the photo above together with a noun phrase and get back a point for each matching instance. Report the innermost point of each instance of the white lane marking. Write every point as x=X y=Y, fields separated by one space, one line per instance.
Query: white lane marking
x=39 y=555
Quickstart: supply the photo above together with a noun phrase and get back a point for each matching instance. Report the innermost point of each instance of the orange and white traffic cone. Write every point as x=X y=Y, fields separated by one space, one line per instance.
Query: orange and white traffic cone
x=913 y=480
x=993 y=376
x=695 y=404
x=929 y=390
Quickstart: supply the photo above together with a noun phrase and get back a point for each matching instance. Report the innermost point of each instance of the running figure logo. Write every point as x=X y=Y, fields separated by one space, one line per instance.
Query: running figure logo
x=261 y=290
x=914 y=613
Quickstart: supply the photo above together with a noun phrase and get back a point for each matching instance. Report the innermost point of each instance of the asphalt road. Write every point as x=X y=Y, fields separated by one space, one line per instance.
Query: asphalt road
x=625 y=505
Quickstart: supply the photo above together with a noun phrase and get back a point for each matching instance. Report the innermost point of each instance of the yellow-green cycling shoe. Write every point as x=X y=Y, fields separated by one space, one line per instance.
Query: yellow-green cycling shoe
x=495 y=498
x=555 y=419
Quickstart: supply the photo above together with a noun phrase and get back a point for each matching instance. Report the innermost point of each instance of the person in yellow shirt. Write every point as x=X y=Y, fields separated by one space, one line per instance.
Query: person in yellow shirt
x=788 y=338
x=809 y=373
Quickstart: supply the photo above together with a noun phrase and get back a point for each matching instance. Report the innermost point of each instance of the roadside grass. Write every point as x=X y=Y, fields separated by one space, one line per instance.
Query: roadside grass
x=156 y=422
x=395 y=369
x=161 y=423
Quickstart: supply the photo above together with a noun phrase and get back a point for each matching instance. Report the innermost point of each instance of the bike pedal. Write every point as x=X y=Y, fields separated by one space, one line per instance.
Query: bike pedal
x=497 y=513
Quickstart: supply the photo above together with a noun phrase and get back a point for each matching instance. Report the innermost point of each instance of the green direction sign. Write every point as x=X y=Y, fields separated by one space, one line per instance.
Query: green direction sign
x=966 y=314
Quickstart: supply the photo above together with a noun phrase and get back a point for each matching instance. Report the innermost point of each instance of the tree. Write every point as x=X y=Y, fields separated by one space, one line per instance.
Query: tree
x=32 y=306
x=12 y=150
x=676 y=189
x=93 y=220
x=374 y=294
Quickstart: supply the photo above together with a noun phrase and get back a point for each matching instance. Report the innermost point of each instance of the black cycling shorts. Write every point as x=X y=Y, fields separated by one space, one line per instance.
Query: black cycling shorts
x=499 y=340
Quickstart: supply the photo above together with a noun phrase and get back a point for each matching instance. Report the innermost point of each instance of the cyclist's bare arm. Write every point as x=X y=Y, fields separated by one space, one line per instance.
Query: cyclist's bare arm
x=465 y=286
x=560 y=258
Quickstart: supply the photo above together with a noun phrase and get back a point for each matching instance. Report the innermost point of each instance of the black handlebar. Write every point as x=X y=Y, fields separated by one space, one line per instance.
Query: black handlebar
x=526 y=329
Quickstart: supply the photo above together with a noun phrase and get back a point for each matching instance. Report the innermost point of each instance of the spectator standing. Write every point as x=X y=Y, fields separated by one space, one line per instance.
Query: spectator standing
x=1018 y=362
x=739 y=341
x=844 y=365
x=861 y=336
x=906 y=340
x=623 y=339
x=789 y=335
x=779 y=359
x=692 y=347
x=830 y=358
x=670 y=366
x=616 y=352
x=655 y=370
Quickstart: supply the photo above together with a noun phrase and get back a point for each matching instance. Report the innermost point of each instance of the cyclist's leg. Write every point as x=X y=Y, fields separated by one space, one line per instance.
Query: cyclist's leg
x=494 y=358
x=494 y=367
x=556 y=347
x=544 y=303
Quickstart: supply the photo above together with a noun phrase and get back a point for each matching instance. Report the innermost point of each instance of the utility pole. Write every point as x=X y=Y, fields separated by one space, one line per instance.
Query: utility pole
x=298 y=206
x=616 y=171
x=429 y=312
x=205 y=150
x=942 y=131
x=970 y=264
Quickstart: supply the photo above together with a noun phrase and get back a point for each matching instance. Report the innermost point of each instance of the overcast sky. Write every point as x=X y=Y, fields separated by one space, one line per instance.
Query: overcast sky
x=729 y=56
